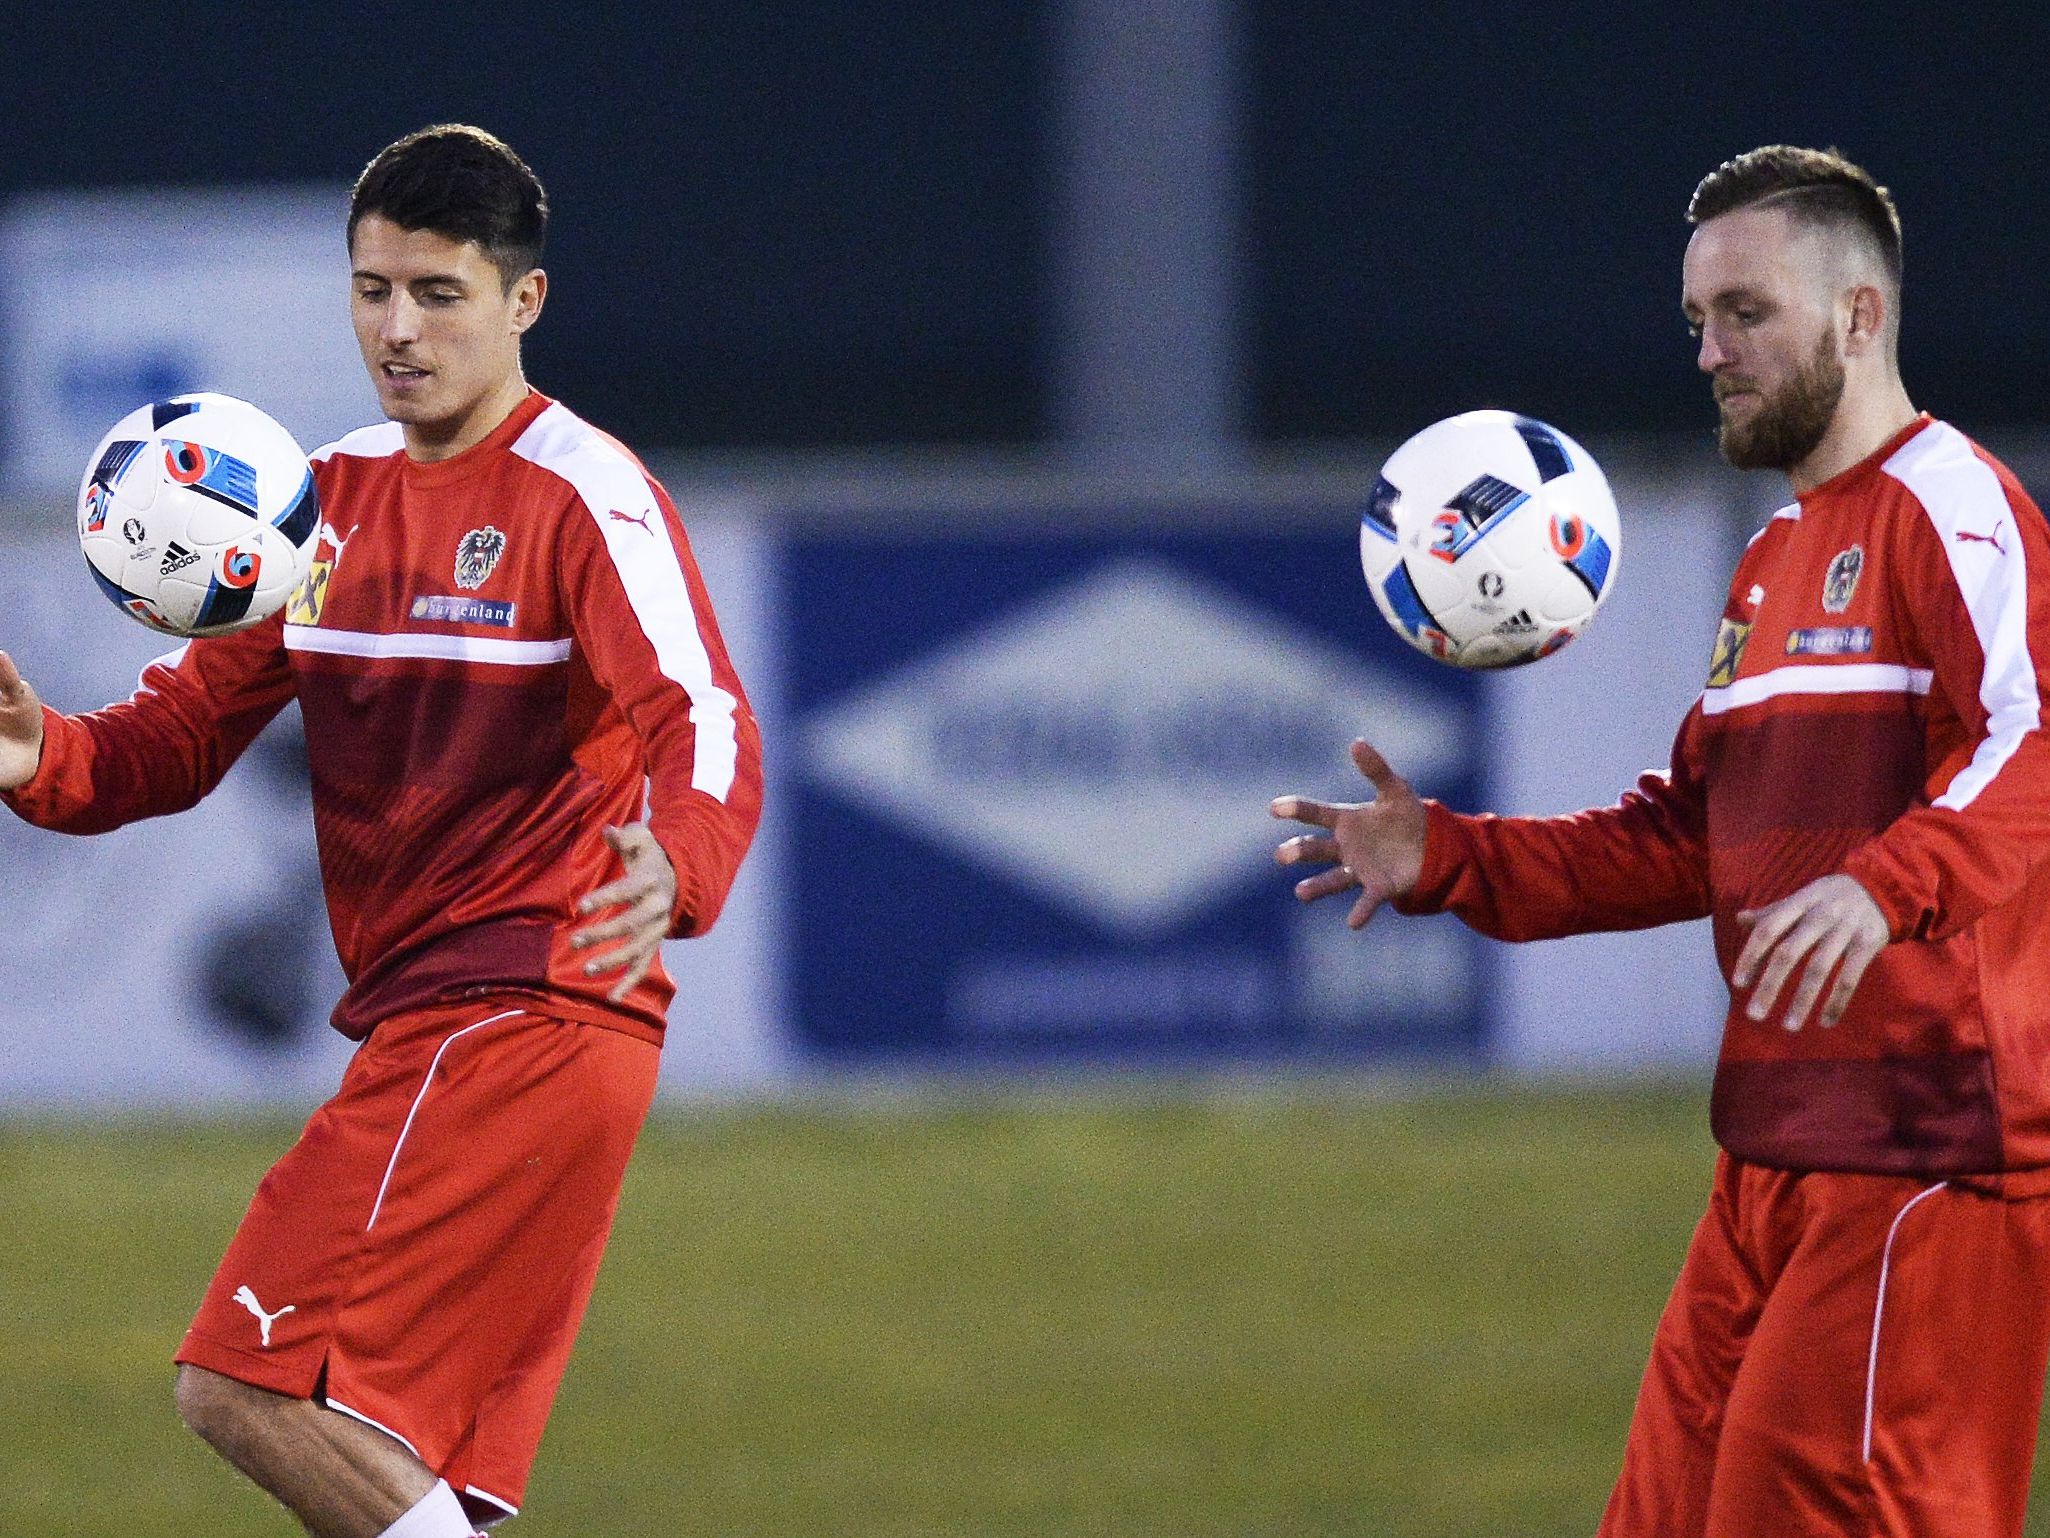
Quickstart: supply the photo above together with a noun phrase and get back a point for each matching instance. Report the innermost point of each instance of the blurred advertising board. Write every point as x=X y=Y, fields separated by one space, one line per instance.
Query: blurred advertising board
x=1028 y=817
x=112 y=298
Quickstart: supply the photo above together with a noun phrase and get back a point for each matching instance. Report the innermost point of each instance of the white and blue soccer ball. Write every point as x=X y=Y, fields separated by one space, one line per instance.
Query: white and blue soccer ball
x=198 y=516
x=1490 y=539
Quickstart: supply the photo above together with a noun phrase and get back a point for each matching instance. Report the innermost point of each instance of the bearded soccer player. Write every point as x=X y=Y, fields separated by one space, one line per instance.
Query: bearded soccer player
x=1860 y=801
x=503 y=655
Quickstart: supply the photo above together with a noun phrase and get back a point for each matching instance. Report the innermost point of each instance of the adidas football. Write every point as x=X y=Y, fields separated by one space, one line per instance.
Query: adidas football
x=198 y=516
x=1490 y=539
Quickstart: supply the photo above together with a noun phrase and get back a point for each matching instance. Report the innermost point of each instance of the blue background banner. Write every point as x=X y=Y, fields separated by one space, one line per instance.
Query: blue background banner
x=1029 y=822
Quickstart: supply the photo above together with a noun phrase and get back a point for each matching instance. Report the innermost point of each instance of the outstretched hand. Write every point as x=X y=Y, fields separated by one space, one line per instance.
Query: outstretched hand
x=21 y=727
x=1833 y=925
x=1377 y=846
x=645 y=897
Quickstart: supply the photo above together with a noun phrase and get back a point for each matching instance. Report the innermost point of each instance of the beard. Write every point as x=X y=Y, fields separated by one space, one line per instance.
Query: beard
x=1786 y=428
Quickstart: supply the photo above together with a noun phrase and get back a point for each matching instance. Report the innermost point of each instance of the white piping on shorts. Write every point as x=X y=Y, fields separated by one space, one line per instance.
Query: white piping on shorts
x=1879 y=1306
x=503 y=1505
x=425 y=1085
x=334 y=1404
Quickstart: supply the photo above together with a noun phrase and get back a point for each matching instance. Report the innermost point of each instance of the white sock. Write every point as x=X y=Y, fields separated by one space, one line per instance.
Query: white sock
x=439 y=1515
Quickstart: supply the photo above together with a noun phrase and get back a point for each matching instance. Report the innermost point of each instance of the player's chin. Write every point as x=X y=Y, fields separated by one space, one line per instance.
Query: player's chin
x=412 y=410
x=417 y=393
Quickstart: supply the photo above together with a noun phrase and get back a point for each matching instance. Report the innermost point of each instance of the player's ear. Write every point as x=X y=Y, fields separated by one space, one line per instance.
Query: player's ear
x=1866 y=330
x=529 y=293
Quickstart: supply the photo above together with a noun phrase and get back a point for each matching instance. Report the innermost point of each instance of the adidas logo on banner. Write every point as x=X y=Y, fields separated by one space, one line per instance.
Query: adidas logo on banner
x=176 y=558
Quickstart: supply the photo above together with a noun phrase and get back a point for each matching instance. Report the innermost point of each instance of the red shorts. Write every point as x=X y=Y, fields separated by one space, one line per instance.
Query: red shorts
x=420 y=1259
x=1844 y=1354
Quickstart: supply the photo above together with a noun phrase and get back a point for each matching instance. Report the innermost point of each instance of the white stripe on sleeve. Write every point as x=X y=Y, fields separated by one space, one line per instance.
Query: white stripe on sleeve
x=1975 y=525
x=622 y=504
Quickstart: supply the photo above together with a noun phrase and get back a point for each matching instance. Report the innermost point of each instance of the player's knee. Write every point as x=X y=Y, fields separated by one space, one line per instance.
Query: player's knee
x=200 y=1404
x=221 y=1412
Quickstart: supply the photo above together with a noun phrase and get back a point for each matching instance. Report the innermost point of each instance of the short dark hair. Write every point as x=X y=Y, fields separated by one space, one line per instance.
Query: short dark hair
x=461 y=182
x=1821 y=188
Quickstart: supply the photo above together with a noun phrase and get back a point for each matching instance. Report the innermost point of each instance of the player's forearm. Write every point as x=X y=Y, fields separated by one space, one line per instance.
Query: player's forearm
x=21 y=756
x=706 y=837
x=155 y=754
x=1541 y=878
x=705 y=842
x=97 y=773
x=1937 y=869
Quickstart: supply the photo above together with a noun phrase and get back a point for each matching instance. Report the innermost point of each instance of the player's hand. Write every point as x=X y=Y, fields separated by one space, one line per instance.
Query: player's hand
x=21 y=727
x=645 y=897
x=1831 y=924
x=1377 y=846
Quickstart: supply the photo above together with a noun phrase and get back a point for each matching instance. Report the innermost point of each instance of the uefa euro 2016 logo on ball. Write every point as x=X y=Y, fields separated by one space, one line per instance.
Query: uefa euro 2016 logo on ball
x=198 y=516
x=1490 y=539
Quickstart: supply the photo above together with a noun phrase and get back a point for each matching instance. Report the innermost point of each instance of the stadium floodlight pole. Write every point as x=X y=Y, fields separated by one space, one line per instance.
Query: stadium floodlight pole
x=1145 y=299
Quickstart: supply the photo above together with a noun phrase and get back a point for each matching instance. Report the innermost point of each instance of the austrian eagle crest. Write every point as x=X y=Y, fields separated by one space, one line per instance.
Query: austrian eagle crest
x=477 y=556
x=1841 y=582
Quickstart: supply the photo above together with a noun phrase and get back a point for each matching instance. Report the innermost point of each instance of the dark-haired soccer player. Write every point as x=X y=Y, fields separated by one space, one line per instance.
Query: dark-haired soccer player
x=1861 y=802
x=504 y=652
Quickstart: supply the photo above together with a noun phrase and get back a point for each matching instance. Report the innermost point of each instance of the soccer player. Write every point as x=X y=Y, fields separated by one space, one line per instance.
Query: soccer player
x=1861 y=801
x=503 y=655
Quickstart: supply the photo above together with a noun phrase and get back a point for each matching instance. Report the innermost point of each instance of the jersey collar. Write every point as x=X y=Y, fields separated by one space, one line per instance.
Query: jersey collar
x=483 y=453
x=1871 y=463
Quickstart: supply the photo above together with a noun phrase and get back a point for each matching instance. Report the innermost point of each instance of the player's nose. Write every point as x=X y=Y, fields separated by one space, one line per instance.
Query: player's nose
x=1713 y=355
x=401 y=320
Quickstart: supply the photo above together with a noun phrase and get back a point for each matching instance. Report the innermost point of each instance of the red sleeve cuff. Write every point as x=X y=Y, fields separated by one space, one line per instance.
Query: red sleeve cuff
x=42 y=794
x=1446 y=849
x=683 y=914
x=1906 y=917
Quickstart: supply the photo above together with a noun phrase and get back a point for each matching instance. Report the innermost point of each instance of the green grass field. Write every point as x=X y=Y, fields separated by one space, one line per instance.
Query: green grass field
x=1247 y=1313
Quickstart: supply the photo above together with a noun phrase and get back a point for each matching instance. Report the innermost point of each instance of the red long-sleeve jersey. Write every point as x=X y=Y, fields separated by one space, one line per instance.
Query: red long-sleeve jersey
x=1874 y=707
x=497 y=655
